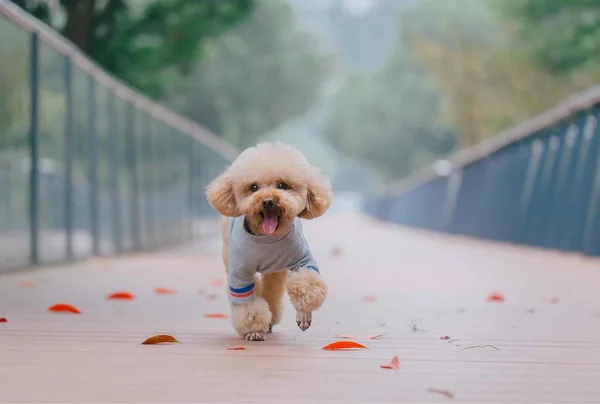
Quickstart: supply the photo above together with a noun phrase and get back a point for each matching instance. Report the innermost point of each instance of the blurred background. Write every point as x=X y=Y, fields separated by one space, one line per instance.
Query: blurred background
x=113 y=155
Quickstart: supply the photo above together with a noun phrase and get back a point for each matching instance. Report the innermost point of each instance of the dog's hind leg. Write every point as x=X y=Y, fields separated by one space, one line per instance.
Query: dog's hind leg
x=225 y=238
x=251 y=320
x=273 y=290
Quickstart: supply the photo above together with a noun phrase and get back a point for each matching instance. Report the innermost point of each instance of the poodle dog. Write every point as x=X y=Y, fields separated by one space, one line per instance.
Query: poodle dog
x=262 y=195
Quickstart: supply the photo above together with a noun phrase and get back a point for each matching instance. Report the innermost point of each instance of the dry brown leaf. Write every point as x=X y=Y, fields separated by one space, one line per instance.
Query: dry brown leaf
x=160 y=339
x=64 y=308
x=342 y=345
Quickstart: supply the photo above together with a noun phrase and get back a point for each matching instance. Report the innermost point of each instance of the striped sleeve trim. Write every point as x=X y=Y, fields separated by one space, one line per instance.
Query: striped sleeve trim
x=240 y=293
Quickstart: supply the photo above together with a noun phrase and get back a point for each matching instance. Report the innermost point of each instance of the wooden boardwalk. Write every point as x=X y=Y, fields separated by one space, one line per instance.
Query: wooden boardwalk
x=542 y=344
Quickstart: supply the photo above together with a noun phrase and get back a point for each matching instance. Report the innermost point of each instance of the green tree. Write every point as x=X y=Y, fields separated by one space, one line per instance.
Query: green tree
x=256 y=76
x=486 y=72
x=391 y=120
x=562 y=35
x=141 y=41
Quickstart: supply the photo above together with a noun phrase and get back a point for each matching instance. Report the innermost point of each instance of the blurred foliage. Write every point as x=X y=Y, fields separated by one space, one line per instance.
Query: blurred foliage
x=13 y=101
x=258 y=75
x=488 y=75
x=459 y=71
x=561 y=35
x=140 y=41
x=14 y=78
x=391 y=119
x=464 y=70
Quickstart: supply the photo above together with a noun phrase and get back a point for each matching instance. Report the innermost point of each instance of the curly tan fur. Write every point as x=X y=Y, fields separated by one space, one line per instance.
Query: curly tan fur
x=307 y=194
x=306 y=289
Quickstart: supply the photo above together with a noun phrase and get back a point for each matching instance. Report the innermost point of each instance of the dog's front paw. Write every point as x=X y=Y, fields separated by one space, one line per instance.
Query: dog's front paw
x=304 y=319
x=306 y=289
x=255 y=336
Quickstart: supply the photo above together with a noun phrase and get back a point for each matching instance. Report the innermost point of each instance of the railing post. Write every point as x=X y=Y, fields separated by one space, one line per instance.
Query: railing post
x=449 y=206
x=69 y=148
x=34 y=88
x=132 y=165
x=93 y=165
x=150 y=180
x=191 y=190
x=113 y=168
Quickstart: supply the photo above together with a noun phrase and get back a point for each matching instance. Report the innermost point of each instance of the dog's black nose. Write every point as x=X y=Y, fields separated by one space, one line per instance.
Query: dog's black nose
x=268 y=204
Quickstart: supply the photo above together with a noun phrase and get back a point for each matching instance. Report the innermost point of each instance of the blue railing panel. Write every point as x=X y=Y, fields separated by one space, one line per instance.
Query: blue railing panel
x=537 y=184
x=422 y=207
x=87 y=165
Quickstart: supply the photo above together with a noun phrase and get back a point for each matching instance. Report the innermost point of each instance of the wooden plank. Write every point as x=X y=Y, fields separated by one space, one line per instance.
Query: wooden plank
x=426 y=286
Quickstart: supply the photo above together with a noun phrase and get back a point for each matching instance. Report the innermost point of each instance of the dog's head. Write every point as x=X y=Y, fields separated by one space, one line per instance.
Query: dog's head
x=270 y=184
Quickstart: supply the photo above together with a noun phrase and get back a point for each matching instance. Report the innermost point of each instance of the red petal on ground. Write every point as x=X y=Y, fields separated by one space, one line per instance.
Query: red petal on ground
x=495 y=297
x=394 y=364
x=64 y=308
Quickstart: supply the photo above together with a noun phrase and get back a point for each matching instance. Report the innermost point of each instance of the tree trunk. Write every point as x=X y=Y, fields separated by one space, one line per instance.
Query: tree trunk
x=80 y=23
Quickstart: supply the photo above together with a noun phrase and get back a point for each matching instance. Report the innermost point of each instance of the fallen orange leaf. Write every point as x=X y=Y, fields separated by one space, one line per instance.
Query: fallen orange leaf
x=64 y=308
x=27 y=284
x=369 y=299
x=340 y=345
x=375 y=336
x=236 y=348
x=159 y=339
x=164 y=291
x=216 y=315
x=495 y=297
x=3 y=320
x=216 y=282
x=120 y=296
x=394 y=364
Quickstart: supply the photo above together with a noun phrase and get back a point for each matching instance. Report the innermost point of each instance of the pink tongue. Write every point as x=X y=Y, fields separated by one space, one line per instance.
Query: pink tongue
x=270 y=223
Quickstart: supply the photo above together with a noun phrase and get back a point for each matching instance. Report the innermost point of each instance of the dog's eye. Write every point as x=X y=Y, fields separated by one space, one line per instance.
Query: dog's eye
x=253 y=187
x=282 y=185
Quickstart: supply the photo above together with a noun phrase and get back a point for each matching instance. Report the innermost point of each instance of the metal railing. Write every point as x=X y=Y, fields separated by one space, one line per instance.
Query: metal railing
x=537 y=184
x=87 y=165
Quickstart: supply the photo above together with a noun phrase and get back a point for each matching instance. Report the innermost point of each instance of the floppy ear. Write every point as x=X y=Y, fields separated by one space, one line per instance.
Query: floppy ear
x=220 y=195
x=318 y=198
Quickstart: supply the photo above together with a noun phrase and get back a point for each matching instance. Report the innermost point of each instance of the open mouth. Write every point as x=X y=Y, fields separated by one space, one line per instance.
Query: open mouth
x=270 y=220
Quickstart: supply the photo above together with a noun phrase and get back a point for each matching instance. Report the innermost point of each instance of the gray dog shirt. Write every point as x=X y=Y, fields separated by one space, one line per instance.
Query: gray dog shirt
x=249 y=254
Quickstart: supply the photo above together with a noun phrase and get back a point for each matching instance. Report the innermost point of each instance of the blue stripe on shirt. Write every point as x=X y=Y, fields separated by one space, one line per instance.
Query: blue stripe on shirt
x=242 y=290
